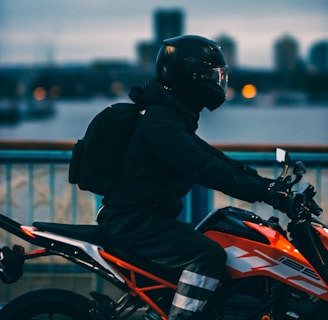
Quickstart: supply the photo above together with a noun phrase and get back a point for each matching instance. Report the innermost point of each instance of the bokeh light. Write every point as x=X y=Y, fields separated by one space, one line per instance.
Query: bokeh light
x=249 y=91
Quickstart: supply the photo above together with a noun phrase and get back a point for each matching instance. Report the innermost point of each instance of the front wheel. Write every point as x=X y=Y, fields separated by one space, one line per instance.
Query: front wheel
x=48 y=304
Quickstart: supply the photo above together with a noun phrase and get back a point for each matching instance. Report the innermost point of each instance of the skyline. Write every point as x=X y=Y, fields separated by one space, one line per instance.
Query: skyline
x=80 y=32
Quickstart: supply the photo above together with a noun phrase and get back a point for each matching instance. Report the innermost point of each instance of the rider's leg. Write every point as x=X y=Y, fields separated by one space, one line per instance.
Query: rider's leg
x=196 y=285
x=175 y=245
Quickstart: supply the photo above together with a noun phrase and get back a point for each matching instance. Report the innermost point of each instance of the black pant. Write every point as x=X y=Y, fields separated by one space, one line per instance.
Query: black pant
x=173 y=244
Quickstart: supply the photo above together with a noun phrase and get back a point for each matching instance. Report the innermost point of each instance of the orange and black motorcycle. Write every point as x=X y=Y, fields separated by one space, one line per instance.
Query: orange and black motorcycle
x=271 y=273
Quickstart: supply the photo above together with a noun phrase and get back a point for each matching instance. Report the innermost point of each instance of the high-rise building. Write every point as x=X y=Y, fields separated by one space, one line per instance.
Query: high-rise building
x=319 y=56
x=168 y=23
x=229 y=49
x=286 y=54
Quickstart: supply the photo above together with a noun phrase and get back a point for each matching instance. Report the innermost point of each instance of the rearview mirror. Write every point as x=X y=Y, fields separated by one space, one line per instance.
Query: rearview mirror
x=282 y=156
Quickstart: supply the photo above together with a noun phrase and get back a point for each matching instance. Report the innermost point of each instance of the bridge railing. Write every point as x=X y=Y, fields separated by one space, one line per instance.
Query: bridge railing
x=34 y=187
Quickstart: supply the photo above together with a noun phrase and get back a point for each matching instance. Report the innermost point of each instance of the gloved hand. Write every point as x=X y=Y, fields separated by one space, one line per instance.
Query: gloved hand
x=276 y=196
x=279 y=200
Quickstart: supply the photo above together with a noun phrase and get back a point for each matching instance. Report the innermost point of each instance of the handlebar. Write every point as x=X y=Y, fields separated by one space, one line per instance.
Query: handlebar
x=303 y=203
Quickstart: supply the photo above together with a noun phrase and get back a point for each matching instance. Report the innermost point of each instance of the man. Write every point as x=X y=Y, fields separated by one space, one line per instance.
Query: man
x=165 y=159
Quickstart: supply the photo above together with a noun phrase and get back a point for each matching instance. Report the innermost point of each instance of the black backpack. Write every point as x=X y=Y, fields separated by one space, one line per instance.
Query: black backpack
x=97 y=158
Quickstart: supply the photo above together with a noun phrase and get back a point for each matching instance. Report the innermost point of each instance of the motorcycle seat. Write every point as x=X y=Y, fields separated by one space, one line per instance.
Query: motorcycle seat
x=88 y=233
x=92 y=234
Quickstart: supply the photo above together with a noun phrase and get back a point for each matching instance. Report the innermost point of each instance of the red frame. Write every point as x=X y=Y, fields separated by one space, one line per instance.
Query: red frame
x=131 y=281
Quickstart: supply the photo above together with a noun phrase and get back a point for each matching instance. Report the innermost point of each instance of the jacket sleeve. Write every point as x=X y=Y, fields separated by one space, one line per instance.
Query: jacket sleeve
x=183 y=153
x=232 y=162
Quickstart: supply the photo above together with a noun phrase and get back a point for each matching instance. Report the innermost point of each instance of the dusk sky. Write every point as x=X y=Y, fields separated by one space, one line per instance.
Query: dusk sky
x=83 y=30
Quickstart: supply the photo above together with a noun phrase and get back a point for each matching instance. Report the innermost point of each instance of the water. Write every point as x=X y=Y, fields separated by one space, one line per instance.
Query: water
x=233 y=124
x=296 y=125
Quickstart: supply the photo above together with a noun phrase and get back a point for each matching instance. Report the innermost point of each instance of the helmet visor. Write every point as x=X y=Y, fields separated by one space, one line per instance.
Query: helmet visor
x=220 y=75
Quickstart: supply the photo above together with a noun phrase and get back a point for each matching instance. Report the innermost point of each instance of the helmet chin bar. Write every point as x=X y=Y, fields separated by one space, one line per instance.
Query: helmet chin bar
x=213 y=95
x=210 y=99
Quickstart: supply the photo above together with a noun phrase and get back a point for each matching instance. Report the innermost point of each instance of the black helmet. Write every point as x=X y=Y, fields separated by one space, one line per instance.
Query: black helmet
x=195 y=66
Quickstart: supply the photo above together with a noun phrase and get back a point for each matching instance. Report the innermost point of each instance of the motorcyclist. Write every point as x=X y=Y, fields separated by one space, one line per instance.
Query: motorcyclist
x=165 y=159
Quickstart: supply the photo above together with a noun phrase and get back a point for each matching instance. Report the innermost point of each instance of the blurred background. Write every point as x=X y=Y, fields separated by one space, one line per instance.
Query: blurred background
x=62 y=61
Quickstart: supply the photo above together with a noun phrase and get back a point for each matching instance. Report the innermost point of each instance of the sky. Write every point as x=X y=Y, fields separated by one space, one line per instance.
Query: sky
x=80 y=31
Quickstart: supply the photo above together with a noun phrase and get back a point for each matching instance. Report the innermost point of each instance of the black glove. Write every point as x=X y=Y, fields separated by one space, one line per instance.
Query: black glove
x=279 y=200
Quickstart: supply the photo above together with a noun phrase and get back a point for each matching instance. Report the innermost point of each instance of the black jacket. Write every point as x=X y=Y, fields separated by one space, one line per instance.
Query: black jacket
x=166 y=158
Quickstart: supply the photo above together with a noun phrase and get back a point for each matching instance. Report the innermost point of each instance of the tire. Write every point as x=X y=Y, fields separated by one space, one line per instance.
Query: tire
x=47 y=304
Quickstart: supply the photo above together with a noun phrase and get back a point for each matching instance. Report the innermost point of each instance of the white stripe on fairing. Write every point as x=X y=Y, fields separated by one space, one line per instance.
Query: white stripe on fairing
x=310 y=287
x=185 y=303
x=245 y=264
x=88 y=248
x=199 y=280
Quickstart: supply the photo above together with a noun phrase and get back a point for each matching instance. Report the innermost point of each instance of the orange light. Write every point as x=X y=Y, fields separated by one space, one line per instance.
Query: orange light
x=39 y=93
x=28 y=231
x=249 y=91
x=170 y=49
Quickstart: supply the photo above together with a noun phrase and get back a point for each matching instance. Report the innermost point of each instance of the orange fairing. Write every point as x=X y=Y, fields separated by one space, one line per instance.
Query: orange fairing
x=279 y=259
x=28 y=230
x=323 y=233
x=277 y=241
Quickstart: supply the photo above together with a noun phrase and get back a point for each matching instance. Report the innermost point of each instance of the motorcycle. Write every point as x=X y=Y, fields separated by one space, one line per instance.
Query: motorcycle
x=272 y=273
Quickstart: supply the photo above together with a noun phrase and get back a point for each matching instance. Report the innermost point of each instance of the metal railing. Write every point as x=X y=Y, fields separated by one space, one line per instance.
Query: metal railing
x=34 y=187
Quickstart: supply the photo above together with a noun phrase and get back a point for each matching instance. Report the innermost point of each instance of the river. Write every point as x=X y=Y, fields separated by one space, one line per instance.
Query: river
x=245 y=124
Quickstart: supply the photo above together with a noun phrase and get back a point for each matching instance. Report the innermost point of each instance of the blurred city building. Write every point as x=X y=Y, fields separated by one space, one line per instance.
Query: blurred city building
x=292 y=80
x=229 y=49
x=319 y=57
x=286 y=54
x=167 y=23
x=318 y=71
